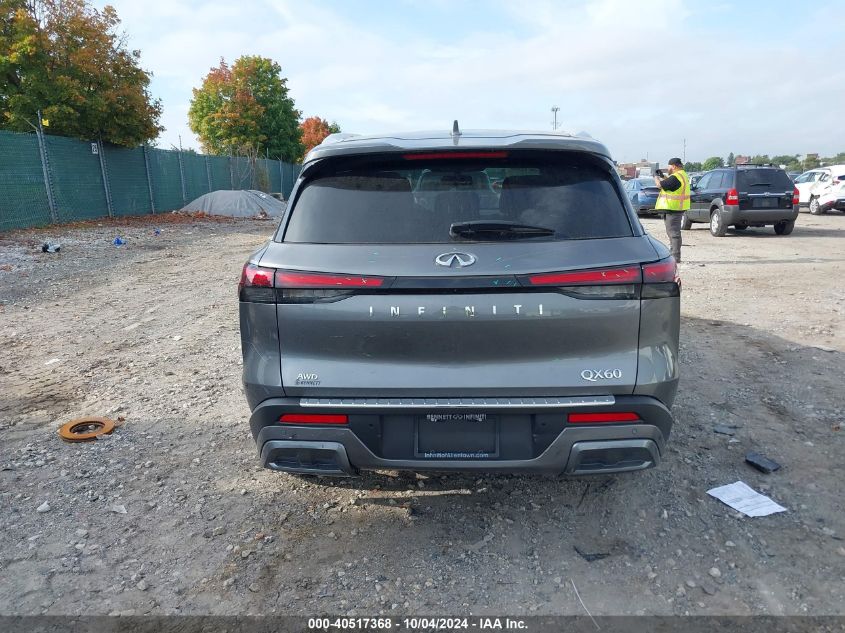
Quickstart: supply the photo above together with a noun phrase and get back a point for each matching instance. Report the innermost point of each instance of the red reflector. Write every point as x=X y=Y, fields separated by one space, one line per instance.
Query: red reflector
x=660 y=272
x=612 y=416
x=796 y=196
x=286 y=279
x=253 y=275
x=732 y=197
x=306 y=418
x=609 y=276
x=463 y=155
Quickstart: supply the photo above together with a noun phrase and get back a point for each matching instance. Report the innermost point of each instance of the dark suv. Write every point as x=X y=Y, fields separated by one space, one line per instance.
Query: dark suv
x=743 y=196
x=453 y=327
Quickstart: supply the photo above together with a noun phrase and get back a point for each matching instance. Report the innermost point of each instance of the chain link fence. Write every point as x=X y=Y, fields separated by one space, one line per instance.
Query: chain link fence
x=46 y=179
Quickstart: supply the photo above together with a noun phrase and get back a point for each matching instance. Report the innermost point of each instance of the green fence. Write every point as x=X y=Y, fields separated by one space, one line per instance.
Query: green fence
x=58 y=179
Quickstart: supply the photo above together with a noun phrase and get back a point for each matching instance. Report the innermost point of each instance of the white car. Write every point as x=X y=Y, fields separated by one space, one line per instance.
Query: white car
x=814 y=183
x=832 y=198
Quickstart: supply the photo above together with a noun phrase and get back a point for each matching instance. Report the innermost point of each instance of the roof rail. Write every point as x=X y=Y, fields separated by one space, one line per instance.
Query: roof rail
x=737 y=166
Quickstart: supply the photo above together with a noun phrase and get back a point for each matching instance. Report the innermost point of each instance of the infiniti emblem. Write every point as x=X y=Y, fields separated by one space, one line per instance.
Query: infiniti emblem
x=455 y=259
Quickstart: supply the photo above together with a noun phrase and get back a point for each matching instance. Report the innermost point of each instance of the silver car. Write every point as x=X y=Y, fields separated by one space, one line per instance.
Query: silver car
x=534 y=328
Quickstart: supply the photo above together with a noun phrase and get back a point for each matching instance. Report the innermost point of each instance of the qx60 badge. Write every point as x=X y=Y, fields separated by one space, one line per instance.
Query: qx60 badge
x=594 y=375
x=452 y=260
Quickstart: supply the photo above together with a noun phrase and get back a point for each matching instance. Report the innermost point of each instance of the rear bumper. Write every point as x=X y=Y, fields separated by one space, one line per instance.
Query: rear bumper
x=538 y=440
x=838 y=205
x=732 y=214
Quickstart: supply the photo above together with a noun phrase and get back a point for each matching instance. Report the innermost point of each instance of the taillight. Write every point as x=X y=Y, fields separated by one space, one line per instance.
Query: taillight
x=660 y=272
x=312 y=418
x=256 y=284
x=290 y=279
x=253 y=275
x=796 y=196
x=660 y=279
x=626 y=275
x=732 y=197
x=603 y=418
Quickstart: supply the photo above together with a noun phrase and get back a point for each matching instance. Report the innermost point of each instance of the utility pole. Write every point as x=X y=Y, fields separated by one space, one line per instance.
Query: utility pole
x=555 y=110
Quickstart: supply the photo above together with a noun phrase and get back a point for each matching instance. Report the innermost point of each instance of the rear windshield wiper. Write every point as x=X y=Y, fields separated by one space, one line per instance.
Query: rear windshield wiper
x=506 y=230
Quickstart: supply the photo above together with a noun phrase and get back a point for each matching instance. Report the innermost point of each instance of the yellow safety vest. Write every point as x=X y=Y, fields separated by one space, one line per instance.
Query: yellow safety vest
x=677 y=200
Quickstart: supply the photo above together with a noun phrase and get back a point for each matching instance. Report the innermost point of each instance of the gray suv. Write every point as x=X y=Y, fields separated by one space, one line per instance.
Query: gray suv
x=454 y=327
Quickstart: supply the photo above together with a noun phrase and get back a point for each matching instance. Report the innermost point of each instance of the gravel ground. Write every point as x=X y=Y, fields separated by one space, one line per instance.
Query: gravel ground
x=172 y=513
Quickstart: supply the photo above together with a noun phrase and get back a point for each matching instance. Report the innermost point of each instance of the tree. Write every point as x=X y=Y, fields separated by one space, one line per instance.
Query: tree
x=246 y=107
x=66 y=59
x=692 y=166
x=314 y=130
x=731 y=160
x=712 y=163
x=761 y=159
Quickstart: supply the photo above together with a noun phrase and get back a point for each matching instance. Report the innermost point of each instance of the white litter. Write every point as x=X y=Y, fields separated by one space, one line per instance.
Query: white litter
x=741 y=497
x=52 y=361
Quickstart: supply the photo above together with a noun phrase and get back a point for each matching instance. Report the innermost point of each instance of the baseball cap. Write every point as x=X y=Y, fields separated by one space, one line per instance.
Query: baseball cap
x=676 y=161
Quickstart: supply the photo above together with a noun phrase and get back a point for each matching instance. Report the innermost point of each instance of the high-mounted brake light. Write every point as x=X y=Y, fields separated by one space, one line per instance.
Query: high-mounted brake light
x=627 y=275
x=796 y=196
x=732 y=197
x=256 y=276
x=303 y=418
x=289 y=279
x=456 y=155
x=610 y=417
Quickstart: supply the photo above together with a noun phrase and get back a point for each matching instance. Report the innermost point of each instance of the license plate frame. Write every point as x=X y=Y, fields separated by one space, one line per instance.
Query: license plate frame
x=766 y=203
x=478 y=436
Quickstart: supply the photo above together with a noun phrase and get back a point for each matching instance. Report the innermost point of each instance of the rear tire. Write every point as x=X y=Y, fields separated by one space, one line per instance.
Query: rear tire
x=784 y=228
x=717 y=224
x=686 y=223
x=815 y=207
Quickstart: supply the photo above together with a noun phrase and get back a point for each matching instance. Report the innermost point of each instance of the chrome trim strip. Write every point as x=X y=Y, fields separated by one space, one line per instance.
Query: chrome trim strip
x=458 y=403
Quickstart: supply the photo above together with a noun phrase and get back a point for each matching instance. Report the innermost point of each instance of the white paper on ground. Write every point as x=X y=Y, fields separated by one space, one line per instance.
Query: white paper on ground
x=745 y=499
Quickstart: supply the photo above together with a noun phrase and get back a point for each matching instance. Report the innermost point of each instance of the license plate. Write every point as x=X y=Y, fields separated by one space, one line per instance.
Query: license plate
x=457 y=436
x=766 y=203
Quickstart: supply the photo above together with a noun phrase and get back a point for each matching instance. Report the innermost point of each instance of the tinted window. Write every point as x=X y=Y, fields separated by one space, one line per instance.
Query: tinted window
x=647 y=182
x=705 y=181
x=723 y=180
x=761 y=178
x=377 y=204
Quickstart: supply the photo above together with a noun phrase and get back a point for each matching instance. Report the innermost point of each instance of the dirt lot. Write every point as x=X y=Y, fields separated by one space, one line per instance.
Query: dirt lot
x=172 y=514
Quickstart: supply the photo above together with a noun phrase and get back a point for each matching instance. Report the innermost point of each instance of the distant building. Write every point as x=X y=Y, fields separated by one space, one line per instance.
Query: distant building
x=742 y=160
x=627 y=170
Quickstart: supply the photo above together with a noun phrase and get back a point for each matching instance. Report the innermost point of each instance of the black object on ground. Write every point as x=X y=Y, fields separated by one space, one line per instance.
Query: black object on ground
x=724 y=429
x=761 y=462
x=591 y=557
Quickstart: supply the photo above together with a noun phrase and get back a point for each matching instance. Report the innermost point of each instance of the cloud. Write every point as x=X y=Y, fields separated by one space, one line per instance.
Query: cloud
x=641 y=76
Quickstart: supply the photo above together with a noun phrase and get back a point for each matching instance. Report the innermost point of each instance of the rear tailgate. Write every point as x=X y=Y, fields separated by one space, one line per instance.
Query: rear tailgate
x=449 y=333
x=764 y=188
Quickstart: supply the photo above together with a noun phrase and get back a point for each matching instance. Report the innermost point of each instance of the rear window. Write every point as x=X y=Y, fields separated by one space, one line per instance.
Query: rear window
x=400 y=201
x=775 y=179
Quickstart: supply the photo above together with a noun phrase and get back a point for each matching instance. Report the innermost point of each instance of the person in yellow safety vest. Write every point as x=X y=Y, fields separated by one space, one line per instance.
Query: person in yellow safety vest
x=673 y=200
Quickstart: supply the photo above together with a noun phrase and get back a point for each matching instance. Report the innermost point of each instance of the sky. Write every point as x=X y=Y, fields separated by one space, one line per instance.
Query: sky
x=644 y=77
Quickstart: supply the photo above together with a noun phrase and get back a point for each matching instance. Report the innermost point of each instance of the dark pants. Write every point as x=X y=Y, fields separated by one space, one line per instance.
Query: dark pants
x=672 y=221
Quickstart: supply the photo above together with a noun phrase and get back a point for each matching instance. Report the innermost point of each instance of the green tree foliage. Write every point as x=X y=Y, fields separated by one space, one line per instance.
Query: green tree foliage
x=712 y=163
x=731 y=160
x=692 y=166
x=761 y=159
x=67 y=59
x=246 y=107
